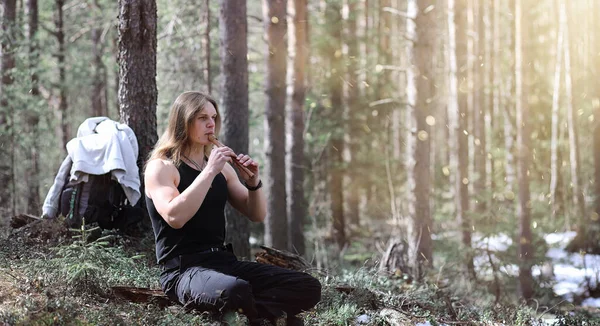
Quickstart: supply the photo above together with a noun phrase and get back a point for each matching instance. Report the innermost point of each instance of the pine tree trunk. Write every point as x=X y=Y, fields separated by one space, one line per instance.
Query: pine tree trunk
x=7 y=63
x=206 y=45
x=353 y=95
x=33 y=23
x=295 y=160
x=522 y=61
x=554 y=162
x=438 y=141
x=61 y=114
x=596 y=112
x=491 y=57
x=31 y=116
x=98 y=97
x=440 y=148
x=458 y=111
x=509 y=123
x=479 y=111
x=275 y=20
x=115 y=51
x=137 y=74
x=578 y=200
x=420 y=76
x=336 y=145
x=233 y=28
x=368 y=89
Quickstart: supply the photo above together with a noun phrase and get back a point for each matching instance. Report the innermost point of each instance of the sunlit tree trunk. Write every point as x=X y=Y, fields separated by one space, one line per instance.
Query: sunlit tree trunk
x=491 y=57
x=275 y=21
x=137 y=75
x=468 y=87
x=509 y=120
x=480 y=108
x=578 y=200
x=523 y=66
x=440 y=147
x=509 y=144
x=596 y=112
x=419 y=99
x=233 y=29
x=554 y=161
x=206 y=46
x=457 y=111
x=295 y=160
x=397 y=132
x=7 y=63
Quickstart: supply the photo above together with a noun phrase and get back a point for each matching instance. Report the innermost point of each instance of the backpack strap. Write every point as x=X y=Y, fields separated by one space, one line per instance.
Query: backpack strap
x=74 y=218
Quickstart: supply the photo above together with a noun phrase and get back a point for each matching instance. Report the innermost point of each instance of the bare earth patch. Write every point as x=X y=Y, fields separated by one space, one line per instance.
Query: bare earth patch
x=19 y=295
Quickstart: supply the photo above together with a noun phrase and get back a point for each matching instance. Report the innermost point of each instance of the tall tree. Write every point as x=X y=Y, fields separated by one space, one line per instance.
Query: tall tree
x=206 y=45
x=421 y=79
x=596 y=112
x=578 y=200
x=336 y=146
x=353 y=100
x=295 y=161
x=7 y=64
x=137 y=74
x=492 y=57
x=523 y=67
x=61 y=114
x=554 y=136
x=480 y=105
x=457 y=111
x=234 y=104
x=275 y=20
x=99 y=75
x=31 y=116
x=509 y=123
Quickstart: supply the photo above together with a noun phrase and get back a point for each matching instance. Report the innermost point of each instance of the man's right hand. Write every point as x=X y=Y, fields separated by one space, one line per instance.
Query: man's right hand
x=218 y=158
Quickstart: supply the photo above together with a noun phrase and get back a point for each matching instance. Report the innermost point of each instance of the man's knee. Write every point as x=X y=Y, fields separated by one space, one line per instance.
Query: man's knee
x=312 y=288
x=237 y=296
x=199 y=290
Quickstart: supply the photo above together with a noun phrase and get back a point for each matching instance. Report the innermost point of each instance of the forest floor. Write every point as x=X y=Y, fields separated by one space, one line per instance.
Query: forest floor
x=50 y=276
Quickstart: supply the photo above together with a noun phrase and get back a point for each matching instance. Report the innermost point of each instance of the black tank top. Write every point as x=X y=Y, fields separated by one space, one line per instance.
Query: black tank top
x=205 y=229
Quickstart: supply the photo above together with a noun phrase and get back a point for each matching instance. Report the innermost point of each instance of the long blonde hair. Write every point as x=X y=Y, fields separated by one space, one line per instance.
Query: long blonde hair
x=175 y=141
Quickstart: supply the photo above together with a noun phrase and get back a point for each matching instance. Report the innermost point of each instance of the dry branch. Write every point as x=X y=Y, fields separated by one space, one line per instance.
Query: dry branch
x=20 y=220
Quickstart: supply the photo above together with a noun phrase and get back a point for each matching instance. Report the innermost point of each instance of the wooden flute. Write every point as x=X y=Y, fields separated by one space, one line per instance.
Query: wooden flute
x=237 y=163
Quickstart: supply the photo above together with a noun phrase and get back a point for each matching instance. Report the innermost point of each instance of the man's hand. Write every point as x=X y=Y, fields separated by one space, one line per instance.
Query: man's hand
x=252 y=165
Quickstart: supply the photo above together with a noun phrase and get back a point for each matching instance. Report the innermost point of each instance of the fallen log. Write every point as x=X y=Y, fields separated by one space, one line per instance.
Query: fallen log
x=142 y=295
x=282 y=258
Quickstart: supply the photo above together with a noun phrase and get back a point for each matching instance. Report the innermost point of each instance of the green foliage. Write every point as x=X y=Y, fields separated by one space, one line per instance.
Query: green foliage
x=94 y=266
x=582 y=318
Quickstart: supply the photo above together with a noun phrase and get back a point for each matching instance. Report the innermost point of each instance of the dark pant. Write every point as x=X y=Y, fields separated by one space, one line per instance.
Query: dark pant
x=217 y=281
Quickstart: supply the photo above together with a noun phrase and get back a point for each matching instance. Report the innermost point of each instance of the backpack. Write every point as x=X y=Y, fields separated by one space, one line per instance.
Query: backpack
x=99 y=200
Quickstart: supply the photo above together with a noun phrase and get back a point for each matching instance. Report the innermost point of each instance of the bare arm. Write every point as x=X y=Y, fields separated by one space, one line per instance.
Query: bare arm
x=161 y=179
x=252 y=204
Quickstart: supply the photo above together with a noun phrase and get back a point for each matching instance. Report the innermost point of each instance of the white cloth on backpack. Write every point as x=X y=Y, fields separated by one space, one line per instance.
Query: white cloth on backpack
x=50 y=207
x=102 y=146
